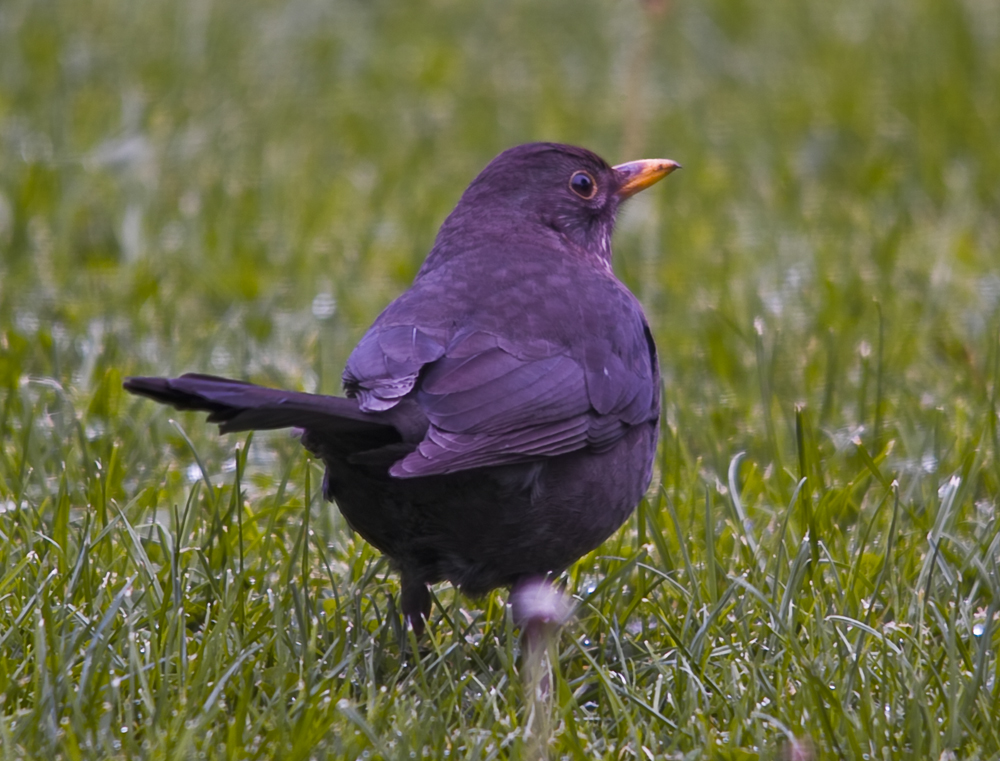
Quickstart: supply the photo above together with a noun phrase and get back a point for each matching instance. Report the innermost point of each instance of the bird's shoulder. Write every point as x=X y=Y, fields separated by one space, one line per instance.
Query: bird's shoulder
x=533 y=354
x=511 y=309
x=519 y=285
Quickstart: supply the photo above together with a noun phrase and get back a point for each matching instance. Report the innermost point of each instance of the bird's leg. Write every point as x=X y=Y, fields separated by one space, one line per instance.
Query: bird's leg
x=415 y=599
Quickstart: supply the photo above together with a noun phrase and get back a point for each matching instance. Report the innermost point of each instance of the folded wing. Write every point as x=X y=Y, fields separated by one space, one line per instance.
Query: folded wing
x=490 y=402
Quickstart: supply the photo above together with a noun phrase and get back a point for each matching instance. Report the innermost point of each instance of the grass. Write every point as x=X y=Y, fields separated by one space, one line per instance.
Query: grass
x=240 y=187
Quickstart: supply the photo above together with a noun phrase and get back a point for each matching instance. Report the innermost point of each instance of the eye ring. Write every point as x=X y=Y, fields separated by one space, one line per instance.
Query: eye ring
x=583 y=184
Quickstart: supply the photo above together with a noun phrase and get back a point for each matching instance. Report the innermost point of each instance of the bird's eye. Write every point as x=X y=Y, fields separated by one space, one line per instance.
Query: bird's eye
x=583 y=185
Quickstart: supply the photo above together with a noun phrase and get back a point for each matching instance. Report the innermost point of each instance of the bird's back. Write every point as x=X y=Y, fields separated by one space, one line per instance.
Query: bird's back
x=540 y=383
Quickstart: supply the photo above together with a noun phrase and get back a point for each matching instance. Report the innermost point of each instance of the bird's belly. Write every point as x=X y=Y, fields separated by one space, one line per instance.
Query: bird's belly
x=487 y=528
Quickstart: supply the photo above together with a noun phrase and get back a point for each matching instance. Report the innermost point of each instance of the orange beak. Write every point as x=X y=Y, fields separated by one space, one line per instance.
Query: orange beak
x=639 y=175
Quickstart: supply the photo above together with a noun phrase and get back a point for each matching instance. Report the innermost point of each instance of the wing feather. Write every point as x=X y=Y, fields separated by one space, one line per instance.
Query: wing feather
x=493 y=399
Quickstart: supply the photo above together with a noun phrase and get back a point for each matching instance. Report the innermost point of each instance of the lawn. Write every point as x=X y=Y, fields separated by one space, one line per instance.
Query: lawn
x=240 y=186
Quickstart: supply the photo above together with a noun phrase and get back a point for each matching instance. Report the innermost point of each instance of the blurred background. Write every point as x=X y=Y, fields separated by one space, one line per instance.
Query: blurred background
x=240 y=187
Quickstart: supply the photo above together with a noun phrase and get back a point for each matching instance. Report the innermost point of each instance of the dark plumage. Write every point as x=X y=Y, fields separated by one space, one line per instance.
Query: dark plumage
x=501 y=414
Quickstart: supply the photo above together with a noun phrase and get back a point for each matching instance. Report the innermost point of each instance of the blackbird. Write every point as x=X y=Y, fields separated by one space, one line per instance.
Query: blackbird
x=501 y=415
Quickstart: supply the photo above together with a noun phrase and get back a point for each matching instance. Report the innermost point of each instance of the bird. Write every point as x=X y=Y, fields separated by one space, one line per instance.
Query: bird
x=500 y=417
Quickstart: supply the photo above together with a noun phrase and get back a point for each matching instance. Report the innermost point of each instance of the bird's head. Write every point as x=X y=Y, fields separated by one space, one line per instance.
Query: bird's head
x=557 y=187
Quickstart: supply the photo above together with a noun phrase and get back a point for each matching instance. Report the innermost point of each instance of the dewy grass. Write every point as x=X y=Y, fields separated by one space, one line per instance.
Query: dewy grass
x=240 y=187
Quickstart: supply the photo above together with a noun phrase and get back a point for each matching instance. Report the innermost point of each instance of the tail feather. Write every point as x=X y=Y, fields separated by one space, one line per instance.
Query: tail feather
x=240 y=406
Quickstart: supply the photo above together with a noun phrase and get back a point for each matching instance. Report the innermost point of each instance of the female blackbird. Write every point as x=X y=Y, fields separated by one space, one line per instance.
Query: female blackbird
x=501 y=415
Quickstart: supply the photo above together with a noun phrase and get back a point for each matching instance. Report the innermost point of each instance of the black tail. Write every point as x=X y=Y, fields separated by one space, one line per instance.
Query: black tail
x=239 y=406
